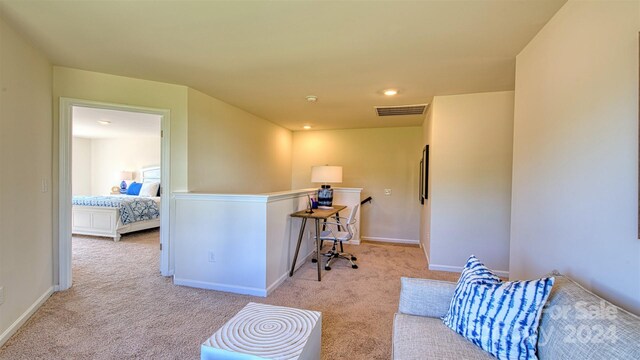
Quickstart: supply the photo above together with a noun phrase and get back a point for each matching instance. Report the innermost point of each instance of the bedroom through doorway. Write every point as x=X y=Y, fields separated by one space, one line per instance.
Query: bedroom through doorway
x=112 y=189
x=115 y=185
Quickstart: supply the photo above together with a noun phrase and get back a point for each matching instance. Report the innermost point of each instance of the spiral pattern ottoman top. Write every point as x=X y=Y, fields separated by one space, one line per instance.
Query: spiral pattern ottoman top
x=266 y=331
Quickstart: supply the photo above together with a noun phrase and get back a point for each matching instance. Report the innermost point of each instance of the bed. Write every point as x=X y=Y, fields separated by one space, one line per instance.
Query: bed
x=115 y=215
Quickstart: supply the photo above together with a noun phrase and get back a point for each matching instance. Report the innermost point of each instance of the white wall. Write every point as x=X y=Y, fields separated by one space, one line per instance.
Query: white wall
x=233 y=151
x=425 y=211
x=111 y=156
x=234 y=231
x=470 y=170
x=97 y=163
x=575 y=174
x=373 y=159
x=81 y=166
x=25 y=160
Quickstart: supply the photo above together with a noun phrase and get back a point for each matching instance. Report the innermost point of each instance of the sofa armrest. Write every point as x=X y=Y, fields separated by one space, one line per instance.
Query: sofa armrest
x=425 y=297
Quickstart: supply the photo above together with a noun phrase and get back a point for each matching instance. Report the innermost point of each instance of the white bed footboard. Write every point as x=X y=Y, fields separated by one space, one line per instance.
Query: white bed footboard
x=104 y=221
x=96 y=221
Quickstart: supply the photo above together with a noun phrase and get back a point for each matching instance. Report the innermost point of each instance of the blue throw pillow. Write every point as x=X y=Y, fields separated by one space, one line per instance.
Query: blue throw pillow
x=134 y=188
x=500 y=317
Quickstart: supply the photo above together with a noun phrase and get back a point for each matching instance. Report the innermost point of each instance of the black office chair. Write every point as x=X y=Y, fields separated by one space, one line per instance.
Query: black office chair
x=334 y=232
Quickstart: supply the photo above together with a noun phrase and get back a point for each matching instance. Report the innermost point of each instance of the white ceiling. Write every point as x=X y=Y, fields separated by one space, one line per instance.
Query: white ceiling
x=122 y=124
x=266 y=56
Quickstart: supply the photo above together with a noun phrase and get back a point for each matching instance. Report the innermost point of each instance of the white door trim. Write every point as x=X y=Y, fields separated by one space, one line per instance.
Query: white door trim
x=64 y=181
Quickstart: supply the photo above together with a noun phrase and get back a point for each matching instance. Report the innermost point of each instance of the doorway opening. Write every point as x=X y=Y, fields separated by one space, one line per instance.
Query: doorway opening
x=113 y=179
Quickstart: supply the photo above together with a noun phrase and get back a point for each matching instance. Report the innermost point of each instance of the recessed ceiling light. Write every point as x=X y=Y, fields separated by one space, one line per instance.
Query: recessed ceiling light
x=307 y=127
x=104 y=122
x=390 y=92
x=312 y=98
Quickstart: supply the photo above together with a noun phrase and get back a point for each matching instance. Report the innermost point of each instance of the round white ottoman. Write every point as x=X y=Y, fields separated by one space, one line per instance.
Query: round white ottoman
x=262 y=331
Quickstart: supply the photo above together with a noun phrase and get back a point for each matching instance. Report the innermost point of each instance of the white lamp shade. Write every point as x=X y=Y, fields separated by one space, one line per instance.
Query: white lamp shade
x=326 y=174
x=126 y=175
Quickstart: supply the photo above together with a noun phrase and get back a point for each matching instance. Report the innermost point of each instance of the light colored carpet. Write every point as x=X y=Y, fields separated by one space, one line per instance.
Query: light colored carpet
x=120 y=307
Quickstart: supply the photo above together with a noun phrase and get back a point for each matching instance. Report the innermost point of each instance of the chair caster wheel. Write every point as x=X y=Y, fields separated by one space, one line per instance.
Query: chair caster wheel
x=314 y=261
x=354 y=258
x=354 y=266
x=327 y=268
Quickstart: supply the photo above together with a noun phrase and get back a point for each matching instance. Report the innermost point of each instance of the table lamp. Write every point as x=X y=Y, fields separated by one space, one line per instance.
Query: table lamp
x=124 y=176
x=326 y=174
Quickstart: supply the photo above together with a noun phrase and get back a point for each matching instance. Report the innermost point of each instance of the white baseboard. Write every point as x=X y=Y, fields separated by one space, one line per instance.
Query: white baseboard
x=170 y=272
x=241 y=289
x=277 y=283
x=458 y=269
x=25 y=316
x=301 y=261
x=221 y=287
x=390 y=240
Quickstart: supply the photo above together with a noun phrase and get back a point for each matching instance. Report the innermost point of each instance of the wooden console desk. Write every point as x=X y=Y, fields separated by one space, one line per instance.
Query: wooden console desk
x=317 y=215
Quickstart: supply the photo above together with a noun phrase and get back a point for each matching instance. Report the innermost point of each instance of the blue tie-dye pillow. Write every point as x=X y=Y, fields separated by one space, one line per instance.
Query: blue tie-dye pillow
x=500 y=317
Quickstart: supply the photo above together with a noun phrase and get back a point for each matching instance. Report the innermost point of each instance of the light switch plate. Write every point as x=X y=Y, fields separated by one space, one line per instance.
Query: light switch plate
x=387 y=192
x=1 y=295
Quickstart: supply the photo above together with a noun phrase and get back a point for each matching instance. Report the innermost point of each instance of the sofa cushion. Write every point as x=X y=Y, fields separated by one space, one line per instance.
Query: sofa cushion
x=418 y=338
x=425 y=297
x=577 y=324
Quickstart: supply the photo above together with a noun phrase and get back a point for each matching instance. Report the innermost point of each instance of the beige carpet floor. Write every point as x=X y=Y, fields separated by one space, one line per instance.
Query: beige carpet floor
x=121 y=308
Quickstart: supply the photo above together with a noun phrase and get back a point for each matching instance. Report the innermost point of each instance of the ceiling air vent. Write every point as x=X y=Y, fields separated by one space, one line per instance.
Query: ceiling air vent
x=401 y=110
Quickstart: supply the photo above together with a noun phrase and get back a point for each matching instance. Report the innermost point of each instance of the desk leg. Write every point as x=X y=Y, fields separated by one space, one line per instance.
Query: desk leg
x=295 y=257
x=318 y=256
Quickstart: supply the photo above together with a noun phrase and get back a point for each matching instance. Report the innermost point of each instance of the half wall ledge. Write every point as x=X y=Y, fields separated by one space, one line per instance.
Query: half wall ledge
x=243 y=243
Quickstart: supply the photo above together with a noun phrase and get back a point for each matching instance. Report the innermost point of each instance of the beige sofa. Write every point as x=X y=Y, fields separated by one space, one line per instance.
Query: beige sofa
x=576 y=324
